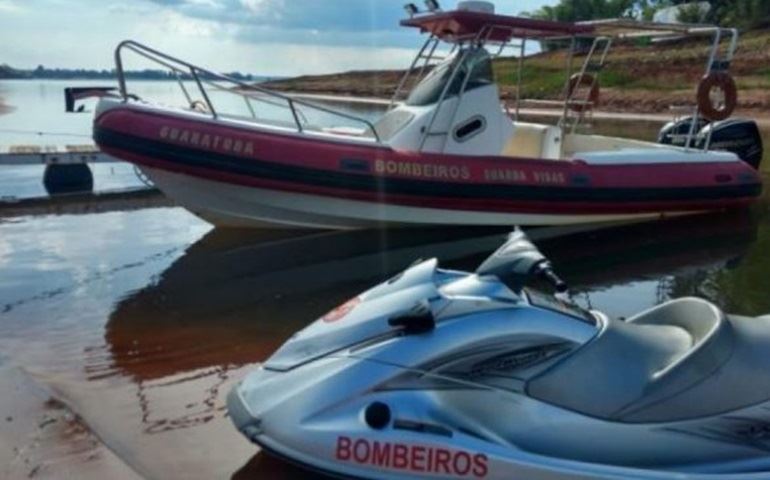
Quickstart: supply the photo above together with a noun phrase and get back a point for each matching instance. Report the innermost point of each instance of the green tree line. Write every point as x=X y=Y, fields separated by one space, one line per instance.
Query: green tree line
x=9 y=73
x=743 y=14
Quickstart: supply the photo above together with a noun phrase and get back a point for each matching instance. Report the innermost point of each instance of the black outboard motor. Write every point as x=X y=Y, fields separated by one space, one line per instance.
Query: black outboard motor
x=738 y=136
x=73 y=94
x=675 y=133
x=735 y=135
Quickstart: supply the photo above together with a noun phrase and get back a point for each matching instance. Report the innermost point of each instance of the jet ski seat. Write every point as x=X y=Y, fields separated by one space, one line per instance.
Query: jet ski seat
x=681 y=360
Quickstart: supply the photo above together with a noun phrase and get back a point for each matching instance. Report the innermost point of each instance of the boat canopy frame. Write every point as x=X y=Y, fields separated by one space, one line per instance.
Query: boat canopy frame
x=204 y=77
x=463 y=28
x=627 y=28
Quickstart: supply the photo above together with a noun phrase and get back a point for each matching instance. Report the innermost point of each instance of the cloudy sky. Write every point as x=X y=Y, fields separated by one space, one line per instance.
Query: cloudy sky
x=267 y=37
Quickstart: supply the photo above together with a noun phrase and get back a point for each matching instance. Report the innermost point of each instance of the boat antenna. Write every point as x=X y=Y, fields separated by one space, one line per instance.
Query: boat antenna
x=411 y=9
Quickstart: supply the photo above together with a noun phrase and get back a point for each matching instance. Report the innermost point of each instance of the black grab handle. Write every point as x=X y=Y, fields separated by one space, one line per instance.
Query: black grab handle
x=546 y=272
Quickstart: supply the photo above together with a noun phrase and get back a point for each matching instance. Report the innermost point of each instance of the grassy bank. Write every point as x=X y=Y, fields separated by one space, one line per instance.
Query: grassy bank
x=635 y=79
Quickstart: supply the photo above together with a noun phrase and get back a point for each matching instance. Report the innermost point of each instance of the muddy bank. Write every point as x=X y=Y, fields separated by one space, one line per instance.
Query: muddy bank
x=381 y=85
x=635 y=79
x=753 y=101
x=761 y=116
x=375 y=83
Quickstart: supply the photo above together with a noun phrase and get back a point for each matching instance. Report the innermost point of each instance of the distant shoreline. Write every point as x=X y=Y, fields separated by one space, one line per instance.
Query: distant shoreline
x=90 y=79
x=150 y=75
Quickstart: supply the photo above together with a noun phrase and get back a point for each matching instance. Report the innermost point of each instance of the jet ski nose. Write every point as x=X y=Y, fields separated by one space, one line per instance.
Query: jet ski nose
x=242 y=418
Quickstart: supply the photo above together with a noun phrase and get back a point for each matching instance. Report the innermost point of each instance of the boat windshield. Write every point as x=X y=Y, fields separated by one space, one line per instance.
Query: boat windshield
x=475 y=60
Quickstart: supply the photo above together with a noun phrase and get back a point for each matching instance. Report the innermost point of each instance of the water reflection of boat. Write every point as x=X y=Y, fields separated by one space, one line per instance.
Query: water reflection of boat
x=609 y=257
x=682 y=258
x=233 y=297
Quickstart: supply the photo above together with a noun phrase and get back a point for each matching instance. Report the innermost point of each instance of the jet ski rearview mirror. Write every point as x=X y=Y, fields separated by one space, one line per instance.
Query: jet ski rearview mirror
x=517 y=261
x=419 y=319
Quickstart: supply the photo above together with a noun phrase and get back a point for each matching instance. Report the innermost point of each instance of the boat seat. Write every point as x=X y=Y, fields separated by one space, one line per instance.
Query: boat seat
x=683 y=359
x=532 y=140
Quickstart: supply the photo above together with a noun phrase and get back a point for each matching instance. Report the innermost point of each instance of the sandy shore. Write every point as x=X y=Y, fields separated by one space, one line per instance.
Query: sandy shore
x=44 y=436
x=40 y=437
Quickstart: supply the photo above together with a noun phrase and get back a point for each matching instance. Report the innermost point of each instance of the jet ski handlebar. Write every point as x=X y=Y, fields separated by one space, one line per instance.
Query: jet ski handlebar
x=517 y=261
x=546 y=272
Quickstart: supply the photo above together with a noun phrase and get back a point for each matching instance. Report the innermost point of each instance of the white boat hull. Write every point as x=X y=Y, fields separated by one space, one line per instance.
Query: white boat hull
x=228 y=205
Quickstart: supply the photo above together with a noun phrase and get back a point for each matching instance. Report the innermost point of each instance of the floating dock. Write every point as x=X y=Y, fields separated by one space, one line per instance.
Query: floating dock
x=53 y=155
x=66 y=168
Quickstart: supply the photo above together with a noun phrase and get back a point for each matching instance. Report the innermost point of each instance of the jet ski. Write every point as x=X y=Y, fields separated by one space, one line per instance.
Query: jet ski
x=498 y=374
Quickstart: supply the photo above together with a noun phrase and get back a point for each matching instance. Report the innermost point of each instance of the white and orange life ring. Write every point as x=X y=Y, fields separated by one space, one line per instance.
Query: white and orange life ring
x=723 y=109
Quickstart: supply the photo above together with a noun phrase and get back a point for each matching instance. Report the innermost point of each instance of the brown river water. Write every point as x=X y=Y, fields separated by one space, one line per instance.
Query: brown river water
x=139 y=321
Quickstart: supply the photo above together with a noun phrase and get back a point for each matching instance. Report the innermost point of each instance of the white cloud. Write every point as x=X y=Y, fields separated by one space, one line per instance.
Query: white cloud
x=10 y=6
x=261 y=7
x=176 y=24
x=263 y=37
